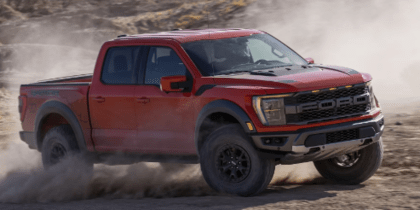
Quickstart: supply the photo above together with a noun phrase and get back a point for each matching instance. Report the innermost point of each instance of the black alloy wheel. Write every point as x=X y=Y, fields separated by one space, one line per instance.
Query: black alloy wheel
x=57 y=153
x=60 y=143
x=347 y=160
x=230 y=163
x=233 y=163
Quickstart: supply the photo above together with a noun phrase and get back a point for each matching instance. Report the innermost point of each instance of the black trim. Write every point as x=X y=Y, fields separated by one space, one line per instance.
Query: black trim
x=64 y=79
x=57 y=84
x=203 y=89
x=143 y=64
x=299 y=137
x=366 y=132
x=28 y=138
x=186 y=86
x=337 y=68
x=130 y=158
x=57 y=107
x=315 y=140
x=222 y=106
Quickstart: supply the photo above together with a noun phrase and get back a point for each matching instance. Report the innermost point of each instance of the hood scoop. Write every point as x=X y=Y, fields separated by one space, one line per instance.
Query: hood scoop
x=282 y=71
x=345 y=70
x=264 y=73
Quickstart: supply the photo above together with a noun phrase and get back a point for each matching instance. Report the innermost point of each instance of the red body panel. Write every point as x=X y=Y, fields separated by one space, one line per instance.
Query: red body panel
x=142 y=118
x=166 y=122
x=75 y=97
x=113 y=116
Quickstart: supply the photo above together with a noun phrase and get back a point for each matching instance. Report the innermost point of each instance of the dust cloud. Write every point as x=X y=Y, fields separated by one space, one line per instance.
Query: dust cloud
x=374 y=36
x=27 y=182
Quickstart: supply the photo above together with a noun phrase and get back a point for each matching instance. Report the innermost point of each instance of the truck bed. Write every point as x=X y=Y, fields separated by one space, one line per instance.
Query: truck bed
x=70 y=91
x=75 y=78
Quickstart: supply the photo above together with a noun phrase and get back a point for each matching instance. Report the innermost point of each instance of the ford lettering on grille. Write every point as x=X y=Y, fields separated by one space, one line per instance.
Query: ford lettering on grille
x=331 y=103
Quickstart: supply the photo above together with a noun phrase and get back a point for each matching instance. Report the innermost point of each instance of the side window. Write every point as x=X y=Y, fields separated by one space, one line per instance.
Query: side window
x=161 y=62
x=120 y=66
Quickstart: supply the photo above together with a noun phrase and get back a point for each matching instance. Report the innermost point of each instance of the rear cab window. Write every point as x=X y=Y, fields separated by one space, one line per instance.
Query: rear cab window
x=121 y=65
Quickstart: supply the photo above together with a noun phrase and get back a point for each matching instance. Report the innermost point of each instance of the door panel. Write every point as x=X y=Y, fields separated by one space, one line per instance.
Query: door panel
x=165 y=121
x=113 y=120
x=112 y=101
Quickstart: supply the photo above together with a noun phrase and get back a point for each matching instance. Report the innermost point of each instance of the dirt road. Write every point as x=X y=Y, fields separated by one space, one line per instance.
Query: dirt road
x=377 y=193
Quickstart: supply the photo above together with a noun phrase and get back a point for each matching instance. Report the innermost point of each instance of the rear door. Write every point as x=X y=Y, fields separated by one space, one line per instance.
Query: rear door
x=165 y=120
x=112 y=100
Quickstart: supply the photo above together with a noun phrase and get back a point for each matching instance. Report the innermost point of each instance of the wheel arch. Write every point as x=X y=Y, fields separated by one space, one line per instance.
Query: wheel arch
x=60 y=114
x=227 y=109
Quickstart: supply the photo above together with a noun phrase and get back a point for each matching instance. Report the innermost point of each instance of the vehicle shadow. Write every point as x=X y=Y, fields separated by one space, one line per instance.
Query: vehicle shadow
x=284 y=191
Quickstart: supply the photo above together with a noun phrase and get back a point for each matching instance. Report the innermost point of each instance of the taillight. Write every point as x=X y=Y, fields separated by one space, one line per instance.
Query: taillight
x=22 y=107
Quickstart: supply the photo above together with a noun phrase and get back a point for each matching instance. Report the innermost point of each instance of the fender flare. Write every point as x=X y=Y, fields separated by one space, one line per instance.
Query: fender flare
x=223 y=106
x=56 y=107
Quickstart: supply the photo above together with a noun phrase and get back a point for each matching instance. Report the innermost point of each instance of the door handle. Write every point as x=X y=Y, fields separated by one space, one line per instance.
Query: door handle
x=99 y=99
x=143 y=100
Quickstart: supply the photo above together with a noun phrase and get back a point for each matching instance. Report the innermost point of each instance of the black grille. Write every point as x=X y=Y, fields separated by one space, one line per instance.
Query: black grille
x=340 y=136
x=340 y=93
x=313 y=116
x=317 y=116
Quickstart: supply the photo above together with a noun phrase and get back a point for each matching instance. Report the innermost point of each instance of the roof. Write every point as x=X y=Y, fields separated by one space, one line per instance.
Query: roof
x=190 y=35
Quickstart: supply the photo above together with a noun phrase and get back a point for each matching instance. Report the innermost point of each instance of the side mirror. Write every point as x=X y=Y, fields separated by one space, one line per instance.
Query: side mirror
x=310 y=60
x=172 y=83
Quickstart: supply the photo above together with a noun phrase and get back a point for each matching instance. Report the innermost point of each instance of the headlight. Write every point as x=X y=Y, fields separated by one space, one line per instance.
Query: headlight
x=270 y=109
x=373 y=101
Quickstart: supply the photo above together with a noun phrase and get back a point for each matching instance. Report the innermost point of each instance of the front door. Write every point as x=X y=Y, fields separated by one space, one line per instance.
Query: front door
x=165 y=120
x=112 y=101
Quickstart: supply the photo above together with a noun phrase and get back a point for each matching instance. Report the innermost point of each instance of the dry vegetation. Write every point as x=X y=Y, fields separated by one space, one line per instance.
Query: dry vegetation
x=109 y=18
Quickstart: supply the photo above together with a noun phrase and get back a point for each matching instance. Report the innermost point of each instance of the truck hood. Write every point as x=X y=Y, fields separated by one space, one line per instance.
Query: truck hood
x=295 y=78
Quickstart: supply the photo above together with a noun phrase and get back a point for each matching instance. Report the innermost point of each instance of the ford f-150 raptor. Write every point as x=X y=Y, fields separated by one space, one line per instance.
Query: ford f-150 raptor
x=237 y=101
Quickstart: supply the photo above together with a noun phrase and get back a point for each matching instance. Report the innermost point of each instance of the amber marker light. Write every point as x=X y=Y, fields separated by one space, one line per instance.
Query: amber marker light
x=250 y=127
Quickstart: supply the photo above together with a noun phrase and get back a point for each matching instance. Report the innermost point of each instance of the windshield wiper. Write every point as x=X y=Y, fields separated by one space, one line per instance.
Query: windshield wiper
x=277 y=66
x=251 y=70
x=232 y=72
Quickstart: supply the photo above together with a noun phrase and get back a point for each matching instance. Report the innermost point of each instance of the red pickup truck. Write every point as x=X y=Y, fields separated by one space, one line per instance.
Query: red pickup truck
x=237 y=101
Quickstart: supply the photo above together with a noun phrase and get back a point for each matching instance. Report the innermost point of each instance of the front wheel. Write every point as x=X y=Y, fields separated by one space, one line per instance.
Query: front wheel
x=352 y=168
x=231 y=164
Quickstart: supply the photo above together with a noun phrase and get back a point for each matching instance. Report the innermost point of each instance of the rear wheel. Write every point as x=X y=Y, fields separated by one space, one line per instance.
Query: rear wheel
x=352 y=168
x=231 y=164
x=60 y=143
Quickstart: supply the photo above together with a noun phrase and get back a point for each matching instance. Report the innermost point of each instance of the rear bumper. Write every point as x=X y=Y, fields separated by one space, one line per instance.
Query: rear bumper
x=28 y=138
x=320 y=143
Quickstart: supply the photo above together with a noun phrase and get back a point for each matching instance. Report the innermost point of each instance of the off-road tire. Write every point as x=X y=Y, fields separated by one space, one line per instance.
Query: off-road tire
x=369 y=161
x=61 y=140
x=250 y=181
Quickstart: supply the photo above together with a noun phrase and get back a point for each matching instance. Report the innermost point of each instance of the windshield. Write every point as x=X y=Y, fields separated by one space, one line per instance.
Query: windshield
x=240 y=54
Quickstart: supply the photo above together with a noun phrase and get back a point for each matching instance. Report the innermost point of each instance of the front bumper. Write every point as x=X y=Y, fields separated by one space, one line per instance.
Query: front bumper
x=320 y=143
